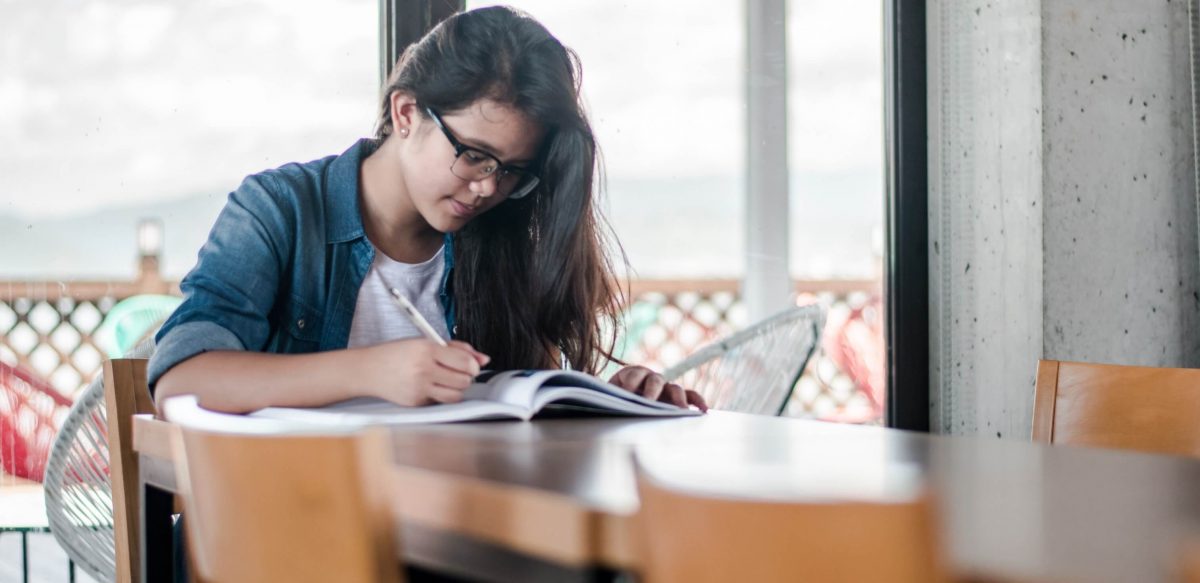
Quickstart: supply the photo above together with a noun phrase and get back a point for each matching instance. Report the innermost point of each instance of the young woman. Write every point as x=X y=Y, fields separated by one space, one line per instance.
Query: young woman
x=475 y=199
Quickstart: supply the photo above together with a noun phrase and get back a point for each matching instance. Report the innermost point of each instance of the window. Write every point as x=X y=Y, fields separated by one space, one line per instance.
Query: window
x=117 y=112
x=665 y=85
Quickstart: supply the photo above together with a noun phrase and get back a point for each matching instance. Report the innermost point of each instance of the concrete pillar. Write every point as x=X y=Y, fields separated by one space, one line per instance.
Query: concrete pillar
x=985 y=213
x=1121 y=260
x=1063 y=214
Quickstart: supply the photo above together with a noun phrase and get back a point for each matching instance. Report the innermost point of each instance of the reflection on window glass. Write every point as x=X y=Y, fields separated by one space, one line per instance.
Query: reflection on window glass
x=125 y=125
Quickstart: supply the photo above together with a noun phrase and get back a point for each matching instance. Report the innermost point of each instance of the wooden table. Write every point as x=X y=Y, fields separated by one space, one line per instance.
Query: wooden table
x=552 y=499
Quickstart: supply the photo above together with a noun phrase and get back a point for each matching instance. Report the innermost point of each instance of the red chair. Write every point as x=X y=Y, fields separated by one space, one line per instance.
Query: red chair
x=30 y=414
x=855 y=344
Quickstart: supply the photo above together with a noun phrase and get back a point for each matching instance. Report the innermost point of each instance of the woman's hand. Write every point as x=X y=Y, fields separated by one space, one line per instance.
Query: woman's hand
x=418 y=371
x=649 y=384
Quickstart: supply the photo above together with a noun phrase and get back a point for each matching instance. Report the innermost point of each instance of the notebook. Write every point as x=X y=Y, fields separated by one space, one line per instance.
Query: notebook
x=513 y=394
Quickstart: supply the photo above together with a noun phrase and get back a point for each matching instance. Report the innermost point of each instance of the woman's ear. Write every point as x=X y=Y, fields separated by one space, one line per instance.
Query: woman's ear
x=404 y=112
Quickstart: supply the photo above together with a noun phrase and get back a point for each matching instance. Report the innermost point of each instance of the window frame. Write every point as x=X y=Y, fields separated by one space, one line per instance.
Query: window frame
x=906 y=171
x=403 y=22
x=906 y=216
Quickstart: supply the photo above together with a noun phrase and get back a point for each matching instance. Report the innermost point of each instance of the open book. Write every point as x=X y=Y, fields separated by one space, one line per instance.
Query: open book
x=513 y=394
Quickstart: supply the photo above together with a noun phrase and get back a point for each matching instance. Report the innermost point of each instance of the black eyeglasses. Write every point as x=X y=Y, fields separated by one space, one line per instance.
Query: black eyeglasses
x=475 y=165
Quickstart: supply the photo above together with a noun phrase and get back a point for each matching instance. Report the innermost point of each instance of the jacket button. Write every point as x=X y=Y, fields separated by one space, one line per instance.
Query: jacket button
x=300 y=323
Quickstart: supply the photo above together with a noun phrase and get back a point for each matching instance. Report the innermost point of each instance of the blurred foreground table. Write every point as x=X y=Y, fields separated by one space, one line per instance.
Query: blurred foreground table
x=552 y=499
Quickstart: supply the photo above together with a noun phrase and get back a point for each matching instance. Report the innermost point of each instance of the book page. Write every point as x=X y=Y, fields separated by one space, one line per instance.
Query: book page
x=591 y=398
x=370 y=411
x=512 y=387
x=581 y=388
x=512 y=394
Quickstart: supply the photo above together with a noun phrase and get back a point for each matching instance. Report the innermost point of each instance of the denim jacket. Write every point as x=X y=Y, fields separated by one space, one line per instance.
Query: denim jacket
x=282 y=267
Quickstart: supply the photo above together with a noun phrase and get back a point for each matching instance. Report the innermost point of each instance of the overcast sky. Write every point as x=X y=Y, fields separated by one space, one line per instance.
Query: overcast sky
x=114 y=110
x=115 y=101
x=110 y=101
x=661 y=74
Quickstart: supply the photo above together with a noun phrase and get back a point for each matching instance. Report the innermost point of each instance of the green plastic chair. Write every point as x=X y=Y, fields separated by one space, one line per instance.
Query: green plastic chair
x=131 y=320
x=636 y=320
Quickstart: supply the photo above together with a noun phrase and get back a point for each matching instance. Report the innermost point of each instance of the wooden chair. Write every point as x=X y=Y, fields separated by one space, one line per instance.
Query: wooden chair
x=265 y=505
x=127 y=395
x=92 y=500
x=1187 y=569
x=690 y=537
x=1125 y=407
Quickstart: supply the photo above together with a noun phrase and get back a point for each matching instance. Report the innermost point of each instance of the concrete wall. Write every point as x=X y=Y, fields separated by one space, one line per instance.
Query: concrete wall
x=985 y=215
x=1043 y=243
x=1120 y=239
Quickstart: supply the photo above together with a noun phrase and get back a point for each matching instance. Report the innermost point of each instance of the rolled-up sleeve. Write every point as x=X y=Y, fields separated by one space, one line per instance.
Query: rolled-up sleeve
x=229 y=294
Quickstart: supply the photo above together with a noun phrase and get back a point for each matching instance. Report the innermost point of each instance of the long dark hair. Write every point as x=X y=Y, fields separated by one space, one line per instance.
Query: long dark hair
x=532 y=279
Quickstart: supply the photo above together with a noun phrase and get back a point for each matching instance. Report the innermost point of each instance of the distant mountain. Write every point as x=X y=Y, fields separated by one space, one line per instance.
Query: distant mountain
x=103 y=244
x=670 y=227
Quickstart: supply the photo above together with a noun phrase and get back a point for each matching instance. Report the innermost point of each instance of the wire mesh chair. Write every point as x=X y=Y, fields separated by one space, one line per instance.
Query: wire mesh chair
x=755 y=370
x=79 y=504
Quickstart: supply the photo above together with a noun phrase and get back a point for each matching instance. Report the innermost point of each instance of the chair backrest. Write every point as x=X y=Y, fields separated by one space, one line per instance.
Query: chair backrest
x=127 y=394
x=269 y=506
x=754 y=370
x=1125 y=407
x=853 y=340
x=78 y=486
x=1187 y=560
x=1187 y=566
x=690 y=537
x=92 y=500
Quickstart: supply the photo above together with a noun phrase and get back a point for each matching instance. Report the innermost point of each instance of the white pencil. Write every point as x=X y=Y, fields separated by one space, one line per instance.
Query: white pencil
x=417 y=318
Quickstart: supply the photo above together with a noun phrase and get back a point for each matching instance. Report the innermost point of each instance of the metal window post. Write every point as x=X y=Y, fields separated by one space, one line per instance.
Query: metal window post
x=403 y=22
x=906 y=271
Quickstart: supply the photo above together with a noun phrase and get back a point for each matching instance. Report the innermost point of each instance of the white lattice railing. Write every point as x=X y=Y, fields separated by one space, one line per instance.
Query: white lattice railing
x=669 y=319
x=49 y=327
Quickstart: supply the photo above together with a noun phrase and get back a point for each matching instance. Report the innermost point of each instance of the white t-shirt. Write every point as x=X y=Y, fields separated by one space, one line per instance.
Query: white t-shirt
x=377 y=316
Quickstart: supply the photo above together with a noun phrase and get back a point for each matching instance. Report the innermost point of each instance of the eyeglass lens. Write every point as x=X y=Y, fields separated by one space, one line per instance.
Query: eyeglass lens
x=474 y=165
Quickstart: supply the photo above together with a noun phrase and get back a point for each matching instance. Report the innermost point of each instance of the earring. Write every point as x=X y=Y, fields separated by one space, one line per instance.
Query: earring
x=404 y=132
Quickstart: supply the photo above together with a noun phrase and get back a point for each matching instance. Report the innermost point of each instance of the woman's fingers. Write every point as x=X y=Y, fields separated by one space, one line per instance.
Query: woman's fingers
x=457 y=358
x=439 y=394
x=630 y=378
x=480 y=357
x=652 y=387
x=451 y=379
x=674 y=394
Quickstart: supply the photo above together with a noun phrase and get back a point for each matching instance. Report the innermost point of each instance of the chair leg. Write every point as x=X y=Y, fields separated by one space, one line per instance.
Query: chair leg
x=24 y=556
x=70 y=571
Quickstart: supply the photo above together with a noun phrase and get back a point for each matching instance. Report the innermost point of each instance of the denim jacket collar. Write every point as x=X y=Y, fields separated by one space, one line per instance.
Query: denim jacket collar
x=344 y=222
